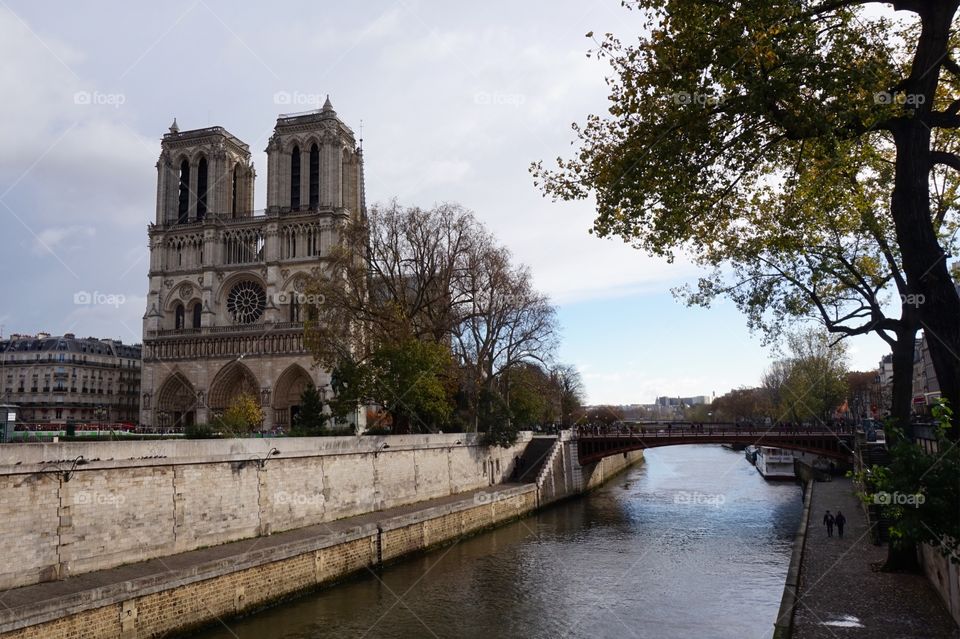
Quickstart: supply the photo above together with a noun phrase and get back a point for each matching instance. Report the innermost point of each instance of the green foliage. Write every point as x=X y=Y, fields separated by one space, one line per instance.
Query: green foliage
x=410 y=378
x=242 y=416
x=200 y=431
x=311 y=420
x=919 y=491
x=494 y=420
x=811 y=383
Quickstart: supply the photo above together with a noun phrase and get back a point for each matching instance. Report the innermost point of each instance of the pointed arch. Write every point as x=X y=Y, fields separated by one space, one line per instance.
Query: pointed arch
x=202 y=188
x=314 y=176
x=178 y=317
x=295 y=178
x=176 y=402
x=183 y=193
x=287 y=392
x=233 y=379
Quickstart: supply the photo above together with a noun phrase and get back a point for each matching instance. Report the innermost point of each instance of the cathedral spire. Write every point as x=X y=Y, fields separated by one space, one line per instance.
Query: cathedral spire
x=174 y=128
x=328 y=106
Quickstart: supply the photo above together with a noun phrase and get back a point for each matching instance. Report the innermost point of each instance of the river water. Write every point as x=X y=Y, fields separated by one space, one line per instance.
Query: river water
x=690 y=543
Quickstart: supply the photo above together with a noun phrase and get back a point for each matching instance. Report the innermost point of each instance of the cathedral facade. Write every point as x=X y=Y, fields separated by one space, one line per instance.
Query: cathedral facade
x=226 y=303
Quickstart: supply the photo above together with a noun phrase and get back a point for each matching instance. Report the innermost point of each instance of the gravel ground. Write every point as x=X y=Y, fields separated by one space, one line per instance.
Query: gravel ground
x=841 y=596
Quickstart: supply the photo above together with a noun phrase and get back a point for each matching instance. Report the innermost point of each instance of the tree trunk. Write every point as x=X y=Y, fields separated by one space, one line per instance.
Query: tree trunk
x=901 y=401
x=924 y=262
x=901 y=558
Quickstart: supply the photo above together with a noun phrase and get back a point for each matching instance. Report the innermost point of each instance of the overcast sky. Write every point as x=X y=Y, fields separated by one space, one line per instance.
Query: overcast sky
x=456 y=100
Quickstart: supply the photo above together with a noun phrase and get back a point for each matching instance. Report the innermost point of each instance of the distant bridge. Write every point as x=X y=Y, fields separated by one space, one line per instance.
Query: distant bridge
x=595 y=444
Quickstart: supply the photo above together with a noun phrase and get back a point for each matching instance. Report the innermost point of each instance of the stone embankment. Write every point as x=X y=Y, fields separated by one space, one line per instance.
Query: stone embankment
x=152 y=538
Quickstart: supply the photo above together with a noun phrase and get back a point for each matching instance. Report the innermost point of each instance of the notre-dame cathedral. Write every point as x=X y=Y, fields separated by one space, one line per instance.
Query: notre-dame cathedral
x=225 y=308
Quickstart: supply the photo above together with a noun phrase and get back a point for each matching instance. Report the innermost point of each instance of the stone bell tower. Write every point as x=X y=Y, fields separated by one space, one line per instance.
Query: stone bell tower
x=224 y=305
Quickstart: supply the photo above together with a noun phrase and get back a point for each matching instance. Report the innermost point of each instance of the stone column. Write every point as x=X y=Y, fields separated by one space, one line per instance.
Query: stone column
x=161 y=190
x=337 y=176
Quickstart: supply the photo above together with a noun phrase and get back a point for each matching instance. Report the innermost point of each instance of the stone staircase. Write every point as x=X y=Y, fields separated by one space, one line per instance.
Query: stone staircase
x=533 y=459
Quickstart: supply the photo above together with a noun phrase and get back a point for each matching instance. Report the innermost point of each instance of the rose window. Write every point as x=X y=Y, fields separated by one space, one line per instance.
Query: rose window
x=246 y=302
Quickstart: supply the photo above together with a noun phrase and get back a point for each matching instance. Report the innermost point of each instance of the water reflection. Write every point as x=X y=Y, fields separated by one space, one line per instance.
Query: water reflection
x=692 y=543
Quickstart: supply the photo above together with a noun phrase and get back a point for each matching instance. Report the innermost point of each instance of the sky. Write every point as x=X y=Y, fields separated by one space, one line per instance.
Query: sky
x=456 y=100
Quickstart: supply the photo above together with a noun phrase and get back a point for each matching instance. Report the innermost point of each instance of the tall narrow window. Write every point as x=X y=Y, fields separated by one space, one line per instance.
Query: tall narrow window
x=183 y=198
x=314 y=177
x=178 y=317
x=196 y=315
x=233 y=200
x=294 y=307
x=295 y=179
x=202 y=189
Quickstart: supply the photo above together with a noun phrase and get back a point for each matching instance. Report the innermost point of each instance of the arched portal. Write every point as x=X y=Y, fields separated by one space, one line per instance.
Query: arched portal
x=176 y=403
x=233 y=380
x=286 y=394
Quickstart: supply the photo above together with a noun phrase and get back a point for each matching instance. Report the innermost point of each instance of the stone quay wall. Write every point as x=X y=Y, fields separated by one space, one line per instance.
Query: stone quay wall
x=134 y=501
x=562 y=476
x=190 y=598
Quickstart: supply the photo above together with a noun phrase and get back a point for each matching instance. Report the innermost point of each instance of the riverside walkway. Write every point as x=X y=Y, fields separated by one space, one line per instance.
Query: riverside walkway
x=841 y=596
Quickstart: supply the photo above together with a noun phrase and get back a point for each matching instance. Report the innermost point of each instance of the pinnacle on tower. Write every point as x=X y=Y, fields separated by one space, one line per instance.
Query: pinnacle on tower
x=327 y=106
x=174 y=128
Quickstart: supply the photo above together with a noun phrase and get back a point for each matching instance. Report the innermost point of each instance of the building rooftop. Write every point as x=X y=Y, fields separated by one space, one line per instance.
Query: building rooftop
x=68 y=343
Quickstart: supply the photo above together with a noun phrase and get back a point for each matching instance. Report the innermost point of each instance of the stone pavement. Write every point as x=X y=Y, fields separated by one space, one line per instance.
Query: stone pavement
x=840 y=595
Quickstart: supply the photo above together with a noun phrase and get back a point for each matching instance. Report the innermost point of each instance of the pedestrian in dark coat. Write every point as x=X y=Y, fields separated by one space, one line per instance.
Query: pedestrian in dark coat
x=828 y=521
x=839 y=520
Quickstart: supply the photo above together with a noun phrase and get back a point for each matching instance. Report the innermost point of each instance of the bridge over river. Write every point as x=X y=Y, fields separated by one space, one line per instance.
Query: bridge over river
x=595 y=443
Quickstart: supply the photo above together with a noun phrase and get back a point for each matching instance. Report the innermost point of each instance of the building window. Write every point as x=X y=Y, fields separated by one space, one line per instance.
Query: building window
x=314 y=177
x=295 y=179
x=178 y=317
x=183 y=198
x=202 y=189
x=197 y=310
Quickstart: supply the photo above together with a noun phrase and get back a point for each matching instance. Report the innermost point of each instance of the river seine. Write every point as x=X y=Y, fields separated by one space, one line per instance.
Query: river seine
x=690 y=543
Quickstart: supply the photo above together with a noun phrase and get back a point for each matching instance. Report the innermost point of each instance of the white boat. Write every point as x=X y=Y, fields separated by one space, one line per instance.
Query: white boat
x=775 y=463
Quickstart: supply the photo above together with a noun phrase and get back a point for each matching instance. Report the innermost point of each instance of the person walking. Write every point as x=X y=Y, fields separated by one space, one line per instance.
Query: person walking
x=828 y=521
x=839 y=520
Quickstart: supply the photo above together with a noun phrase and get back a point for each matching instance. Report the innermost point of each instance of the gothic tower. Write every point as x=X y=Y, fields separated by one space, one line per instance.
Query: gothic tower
x=226 y=282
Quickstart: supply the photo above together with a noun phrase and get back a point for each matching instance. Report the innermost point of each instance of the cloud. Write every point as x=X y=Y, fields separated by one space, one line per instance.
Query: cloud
x=63 y=238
